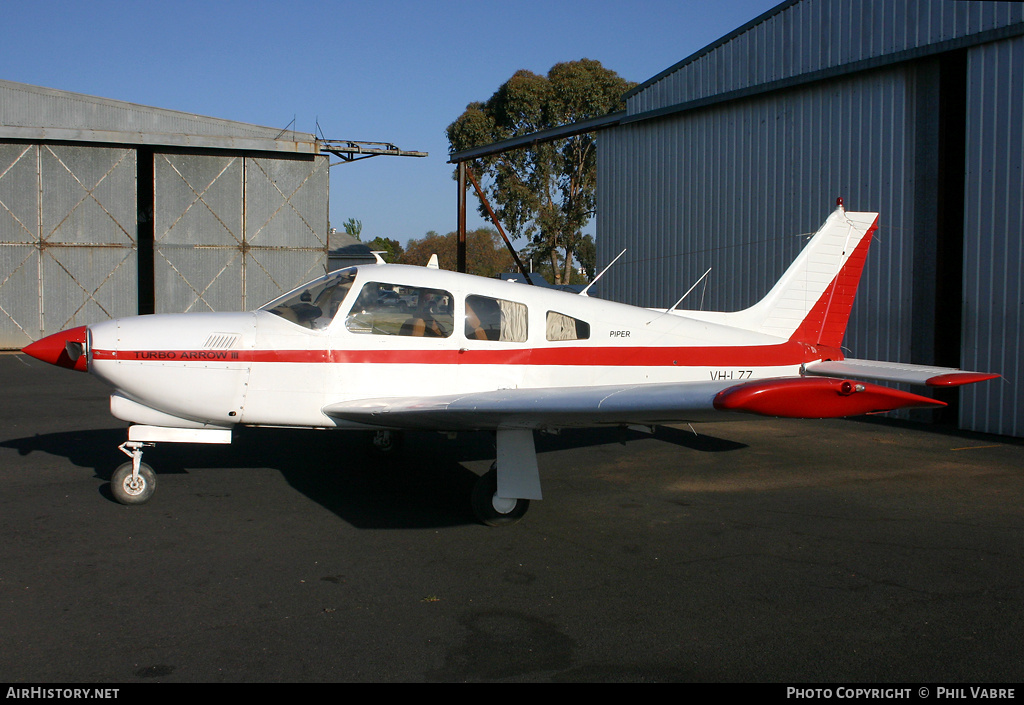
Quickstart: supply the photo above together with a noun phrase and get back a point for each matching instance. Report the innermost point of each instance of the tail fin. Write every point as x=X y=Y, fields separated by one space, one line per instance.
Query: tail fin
x=812 y=301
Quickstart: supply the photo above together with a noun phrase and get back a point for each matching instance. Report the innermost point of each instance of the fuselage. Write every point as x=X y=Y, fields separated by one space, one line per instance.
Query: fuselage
x=376 y=331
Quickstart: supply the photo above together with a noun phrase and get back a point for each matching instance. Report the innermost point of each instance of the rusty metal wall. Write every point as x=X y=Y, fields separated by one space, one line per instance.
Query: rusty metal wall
x=230 y=233
x=233 y=232
x=286 y=207
x=211 y=226
x=67 y=238
x=197 y=223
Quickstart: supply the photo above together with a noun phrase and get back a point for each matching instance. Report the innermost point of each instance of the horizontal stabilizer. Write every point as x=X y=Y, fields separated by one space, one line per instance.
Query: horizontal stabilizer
x=897 y=372
x=816 y=398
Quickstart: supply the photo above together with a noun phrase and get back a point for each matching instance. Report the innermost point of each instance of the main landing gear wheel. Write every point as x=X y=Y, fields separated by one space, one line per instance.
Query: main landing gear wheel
x=491 y=509
x=129 y=488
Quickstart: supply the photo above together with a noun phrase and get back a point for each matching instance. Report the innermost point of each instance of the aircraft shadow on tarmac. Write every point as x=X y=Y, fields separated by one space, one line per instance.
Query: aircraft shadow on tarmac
x=423 y=483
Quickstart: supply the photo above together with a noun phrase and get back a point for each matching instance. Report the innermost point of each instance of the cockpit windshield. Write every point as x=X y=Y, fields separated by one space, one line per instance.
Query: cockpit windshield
x=315 y=304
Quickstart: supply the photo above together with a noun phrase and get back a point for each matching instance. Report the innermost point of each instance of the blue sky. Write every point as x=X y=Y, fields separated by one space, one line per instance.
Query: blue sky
x=384 y=71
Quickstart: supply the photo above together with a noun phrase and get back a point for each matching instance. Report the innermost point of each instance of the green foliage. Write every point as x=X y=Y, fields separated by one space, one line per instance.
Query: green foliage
x=544 y=192
x=486 y=254
x=353 y=227
x=586 y=255
x=391 y=248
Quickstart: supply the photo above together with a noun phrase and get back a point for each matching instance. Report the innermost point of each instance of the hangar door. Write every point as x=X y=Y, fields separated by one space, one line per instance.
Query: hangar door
x=233 y=232
x=67 y=238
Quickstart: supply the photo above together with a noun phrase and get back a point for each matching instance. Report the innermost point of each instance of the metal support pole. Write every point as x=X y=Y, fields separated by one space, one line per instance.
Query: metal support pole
x=460 y=249
x=497 y=223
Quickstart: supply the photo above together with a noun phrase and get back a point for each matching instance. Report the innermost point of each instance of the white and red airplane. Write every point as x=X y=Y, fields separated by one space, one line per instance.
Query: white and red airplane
x=391 y=347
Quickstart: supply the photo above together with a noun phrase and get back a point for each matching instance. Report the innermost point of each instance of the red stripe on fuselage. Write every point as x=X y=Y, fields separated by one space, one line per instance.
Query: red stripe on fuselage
x=789 y=353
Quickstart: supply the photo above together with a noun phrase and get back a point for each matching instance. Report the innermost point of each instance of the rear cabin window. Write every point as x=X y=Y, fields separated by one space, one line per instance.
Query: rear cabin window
x=495 y=319
x=392 y=309
x=561 y=327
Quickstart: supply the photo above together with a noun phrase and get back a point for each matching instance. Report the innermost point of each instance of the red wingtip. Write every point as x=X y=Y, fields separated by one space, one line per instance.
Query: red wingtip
x=64 y=349
x=955 y=379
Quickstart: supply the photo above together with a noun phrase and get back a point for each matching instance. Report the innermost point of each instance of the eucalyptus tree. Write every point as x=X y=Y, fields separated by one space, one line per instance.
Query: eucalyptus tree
x=543 y=191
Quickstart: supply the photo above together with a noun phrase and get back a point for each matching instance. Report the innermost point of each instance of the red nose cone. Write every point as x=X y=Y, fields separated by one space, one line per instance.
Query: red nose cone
x=64 y=349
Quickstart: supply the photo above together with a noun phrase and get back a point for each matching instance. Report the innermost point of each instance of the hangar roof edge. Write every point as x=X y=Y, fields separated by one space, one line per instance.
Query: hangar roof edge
x=711 y=47
x=37 y=113
x=801 y=38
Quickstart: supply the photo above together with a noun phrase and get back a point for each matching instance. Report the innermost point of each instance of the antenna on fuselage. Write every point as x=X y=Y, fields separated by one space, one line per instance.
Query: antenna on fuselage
x=432 y=262
x=601 y=273
x=377 y=255
x=670 y=308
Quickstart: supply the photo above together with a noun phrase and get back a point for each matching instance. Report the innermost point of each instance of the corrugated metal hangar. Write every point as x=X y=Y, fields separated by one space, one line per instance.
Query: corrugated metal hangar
x=912 y=108
x=112 y=209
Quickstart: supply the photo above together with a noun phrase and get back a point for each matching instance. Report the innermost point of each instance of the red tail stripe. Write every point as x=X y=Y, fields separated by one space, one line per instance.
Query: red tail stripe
x=825 y=323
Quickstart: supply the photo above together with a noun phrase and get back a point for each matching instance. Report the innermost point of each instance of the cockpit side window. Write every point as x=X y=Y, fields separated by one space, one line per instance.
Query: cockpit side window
x=561 y=327
x=314 y=305
x=393 y=309
x=495 y=319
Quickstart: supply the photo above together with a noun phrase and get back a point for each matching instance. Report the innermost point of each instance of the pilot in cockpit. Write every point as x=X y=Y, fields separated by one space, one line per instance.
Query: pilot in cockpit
x=423 y=323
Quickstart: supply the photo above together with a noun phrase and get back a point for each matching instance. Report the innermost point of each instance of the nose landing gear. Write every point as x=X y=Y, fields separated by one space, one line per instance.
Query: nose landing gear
x=135 y=482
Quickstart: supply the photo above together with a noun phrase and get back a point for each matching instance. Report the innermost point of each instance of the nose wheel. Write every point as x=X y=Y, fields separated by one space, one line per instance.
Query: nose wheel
x=133 y=482
x=131 y=487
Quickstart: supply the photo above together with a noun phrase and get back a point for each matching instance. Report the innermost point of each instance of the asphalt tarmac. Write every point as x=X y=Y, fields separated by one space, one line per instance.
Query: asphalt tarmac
x=765 y=551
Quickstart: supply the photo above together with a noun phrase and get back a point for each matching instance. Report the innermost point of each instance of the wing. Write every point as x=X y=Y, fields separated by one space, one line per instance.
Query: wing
x=552 y=407
x=647 y=404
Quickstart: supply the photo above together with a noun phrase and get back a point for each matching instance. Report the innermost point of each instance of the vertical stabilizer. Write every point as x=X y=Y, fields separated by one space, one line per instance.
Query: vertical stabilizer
x=812 y=301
